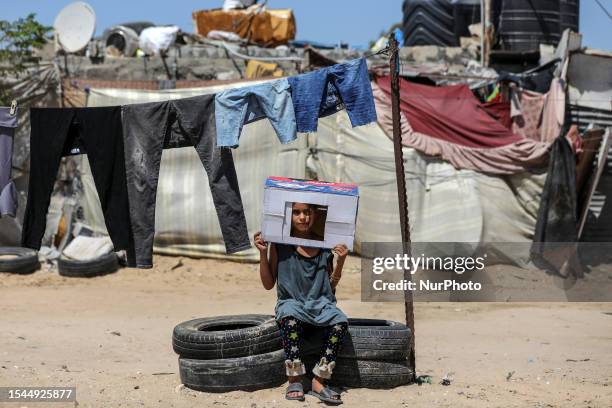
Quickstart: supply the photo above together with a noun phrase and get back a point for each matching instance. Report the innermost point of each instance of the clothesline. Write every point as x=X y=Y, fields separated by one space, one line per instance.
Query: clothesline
x=124 y=146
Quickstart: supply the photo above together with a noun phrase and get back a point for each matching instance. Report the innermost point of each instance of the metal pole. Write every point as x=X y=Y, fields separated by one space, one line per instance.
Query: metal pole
x=401 y=186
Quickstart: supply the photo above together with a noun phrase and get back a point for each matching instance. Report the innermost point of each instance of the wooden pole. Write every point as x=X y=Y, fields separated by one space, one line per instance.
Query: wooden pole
x=488 y=32
x=401 y=187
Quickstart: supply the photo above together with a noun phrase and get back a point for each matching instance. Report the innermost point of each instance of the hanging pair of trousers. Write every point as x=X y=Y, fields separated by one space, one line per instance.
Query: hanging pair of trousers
x=151 y=127
x=97 y=132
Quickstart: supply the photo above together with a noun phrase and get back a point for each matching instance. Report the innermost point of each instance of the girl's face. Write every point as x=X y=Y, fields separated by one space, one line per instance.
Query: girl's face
x=302 y=217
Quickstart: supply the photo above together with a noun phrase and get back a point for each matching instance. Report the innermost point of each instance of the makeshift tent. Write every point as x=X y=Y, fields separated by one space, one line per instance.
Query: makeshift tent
x=450 y=123
x=445 y=204
x=36 y=87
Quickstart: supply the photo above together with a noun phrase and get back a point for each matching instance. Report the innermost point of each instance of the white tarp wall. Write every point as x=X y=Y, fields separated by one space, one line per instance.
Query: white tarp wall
x=445 y=204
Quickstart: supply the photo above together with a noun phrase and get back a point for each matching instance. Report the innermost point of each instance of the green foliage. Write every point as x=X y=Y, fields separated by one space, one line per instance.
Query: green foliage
x=18 y=39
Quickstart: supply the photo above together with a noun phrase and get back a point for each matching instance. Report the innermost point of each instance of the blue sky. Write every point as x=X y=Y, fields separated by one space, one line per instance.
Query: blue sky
x=353 y=21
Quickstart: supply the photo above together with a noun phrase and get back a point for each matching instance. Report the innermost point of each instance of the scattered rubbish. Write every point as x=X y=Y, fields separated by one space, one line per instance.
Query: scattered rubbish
x=509 y=375
x=48 y=253
x=162 y=373
x=424 y=379
x=115 y=333
x=157 y=40
x=21 y=337
x=447 y=379
x=83 y=248
x=569 y=360
x=223 y=35
x=531 y=360
x=177 y=265
x=137 y=387
x=178 y=388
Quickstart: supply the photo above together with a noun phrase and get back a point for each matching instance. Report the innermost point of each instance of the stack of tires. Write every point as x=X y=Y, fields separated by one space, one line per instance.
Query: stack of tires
x=228 y=353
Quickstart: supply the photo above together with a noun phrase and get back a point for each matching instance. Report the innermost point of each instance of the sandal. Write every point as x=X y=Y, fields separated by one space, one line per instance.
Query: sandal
x=327 y=395
x=295 y=387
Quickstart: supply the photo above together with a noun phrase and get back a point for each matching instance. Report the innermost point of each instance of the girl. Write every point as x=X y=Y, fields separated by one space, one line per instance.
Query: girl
x=306 y=282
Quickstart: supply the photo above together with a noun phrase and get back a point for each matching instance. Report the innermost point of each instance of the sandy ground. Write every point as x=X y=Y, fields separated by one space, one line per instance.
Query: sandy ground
x=111 y=338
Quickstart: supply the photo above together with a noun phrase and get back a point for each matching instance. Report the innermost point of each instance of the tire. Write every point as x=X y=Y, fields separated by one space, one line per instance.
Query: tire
x=368 y=339
x=26 y=260
x=226 y=337
x=249 y=373
x=103 y=265
x=367 y=373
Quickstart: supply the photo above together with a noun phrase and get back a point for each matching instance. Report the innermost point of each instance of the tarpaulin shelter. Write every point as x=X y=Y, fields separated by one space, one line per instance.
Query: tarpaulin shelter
x=450 y=123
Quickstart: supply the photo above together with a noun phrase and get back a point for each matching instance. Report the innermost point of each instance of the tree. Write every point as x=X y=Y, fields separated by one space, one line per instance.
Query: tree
x=18 y=40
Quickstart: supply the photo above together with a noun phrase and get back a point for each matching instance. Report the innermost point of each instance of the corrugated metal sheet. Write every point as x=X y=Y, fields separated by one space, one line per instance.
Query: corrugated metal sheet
x=590 y=102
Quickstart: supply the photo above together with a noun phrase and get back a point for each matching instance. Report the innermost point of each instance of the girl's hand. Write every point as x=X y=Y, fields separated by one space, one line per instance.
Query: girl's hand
x=342 y=251
x=260 y=243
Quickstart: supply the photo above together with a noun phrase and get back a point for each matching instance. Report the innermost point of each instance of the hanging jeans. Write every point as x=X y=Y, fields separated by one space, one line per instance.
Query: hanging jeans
x=347 y=83
x=96 y=132
x=235 y=107
x=151 y=127
x=8 y=192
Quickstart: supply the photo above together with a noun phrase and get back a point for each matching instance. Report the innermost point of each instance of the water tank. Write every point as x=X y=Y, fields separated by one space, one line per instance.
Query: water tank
x=570 y=14
x=525 y=24
x=428 y=22
x=465 y=13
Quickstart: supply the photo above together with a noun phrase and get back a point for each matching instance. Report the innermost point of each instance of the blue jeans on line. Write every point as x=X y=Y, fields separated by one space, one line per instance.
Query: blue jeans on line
x=235 y=107
x=346 y=83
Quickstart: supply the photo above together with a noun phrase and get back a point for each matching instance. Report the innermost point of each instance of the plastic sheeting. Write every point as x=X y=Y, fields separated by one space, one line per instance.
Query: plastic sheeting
x=445 y=204
x=35 y=87
x=155 y=40
x=257 y=24
x=516 y=156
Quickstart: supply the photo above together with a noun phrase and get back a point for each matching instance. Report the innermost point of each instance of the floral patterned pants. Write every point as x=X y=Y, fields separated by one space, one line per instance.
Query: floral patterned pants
x=291 y=331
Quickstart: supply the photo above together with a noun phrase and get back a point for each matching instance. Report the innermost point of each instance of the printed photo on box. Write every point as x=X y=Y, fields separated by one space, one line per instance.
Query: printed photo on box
x=332 y=206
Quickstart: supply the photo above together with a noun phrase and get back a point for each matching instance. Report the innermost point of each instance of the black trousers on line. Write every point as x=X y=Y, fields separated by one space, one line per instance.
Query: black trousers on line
x=97 y=132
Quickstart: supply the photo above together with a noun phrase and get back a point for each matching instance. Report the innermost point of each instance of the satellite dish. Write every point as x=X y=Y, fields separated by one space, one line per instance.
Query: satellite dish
x=75 y=25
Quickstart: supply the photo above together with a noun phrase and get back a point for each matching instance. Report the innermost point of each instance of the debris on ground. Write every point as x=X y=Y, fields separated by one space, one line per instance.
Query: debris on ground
x=447 y=379
x=424 y=379
x=177 y=265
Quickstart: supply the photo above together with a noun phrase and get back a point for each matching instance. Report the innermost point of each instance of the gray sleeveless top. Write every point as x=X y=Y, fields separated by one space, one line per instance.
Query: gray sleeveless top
x=303 y=288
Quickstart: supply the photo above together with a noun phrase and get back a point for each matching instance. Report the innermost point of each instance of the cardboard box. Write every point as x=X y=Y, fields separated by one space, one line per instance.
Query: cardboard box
x=336 y=214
